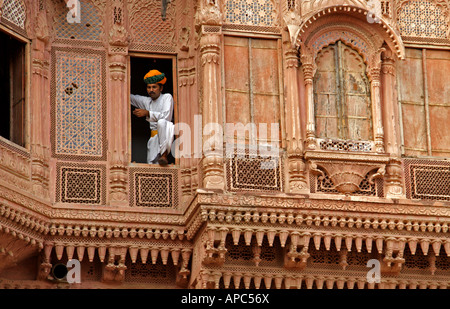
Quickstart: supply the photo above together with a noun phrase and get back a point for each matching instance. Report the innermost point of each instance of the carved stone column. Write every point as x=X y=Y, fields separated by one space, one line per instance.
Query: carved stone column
x=394 y=177
x=118 y=98
x=297 y=177
x=373 y=72
x=209 y=21
x=40 y=108
x=309 y=69
x=184 y=102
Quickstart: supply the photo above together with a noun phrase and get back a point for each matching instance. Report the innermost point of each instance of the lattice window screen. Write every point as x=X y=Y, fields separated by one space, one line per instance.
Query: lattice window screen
x=89 y=28
x=154 y=187
x=425 y=179
x=250 y=12
x=148 y=31
x=14 y=11
x=247 y=171
x=78 y=89
x=81 y=184
x=150 y=273
x=422 y=19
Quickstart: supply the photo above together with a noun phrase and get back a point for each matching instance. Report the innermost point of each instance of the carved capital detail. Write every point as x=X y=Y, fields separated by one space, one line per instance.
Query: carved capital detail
x=297 y=175
x=394 y=179
x=210 y=48
x=292 y=58
x=213 y=175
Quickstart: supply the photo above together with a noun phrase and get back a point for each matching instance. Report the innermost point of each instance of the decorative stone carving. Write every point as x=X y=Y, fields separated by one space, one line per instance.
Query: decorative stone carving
x=208 y=13
x=347 y=177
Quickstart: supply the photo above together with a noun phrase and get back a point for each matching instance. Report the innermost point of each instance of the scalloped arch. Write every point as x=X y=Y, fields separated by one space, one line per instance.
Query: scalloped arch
x=347 y=34
x=391 y=36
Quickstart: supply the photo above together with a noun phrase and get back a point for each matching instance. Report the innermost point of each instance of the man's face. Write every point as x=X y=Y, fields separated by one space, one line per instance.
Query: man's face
x=154 y=90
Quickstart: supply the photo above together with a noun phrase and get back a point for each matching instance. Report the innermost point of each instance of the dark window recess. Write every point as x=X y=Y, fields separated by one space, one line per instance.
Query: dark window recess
x=140 y=130
x=12 y=88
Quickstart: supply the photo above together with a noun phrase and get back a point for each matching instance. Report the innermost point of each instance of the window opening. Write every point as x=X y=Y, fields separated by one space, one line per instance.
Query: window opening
x=12 y=87
x=140 y=129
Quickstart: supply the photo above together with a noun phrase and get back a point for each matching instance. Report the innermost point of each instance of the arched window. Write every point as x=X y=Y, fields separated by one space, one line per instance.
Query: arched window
x=342 y=95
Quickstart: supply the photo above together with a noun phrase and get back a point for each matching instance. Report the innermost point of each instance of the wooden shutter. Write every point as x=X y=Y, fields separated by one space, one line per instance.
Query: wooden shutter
x=341 y=95
x=251 y=71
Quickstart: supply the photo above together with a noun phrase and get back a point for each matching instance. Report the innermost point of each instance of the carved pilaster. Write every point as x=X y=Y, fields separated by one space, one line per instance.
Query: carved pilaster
x=297 y=174
x=183 y=93
x=394 y=171
x=118 y=99
x=40 y=108
x=373 y=73
x=309 y=69
x=213 y=174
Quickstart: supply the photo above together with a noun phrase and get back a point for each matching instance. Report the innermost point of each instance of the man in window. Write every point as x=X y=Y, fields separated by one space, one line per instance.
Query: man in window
x=157 y=110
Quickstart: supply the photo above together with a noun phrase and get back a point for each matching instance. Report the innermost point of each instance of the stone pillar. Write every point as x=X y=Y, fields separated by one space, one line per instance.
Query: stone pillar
x=40 y=108
x=297 y=174
x=118 y=100
x=373 y=72
x=184 y=104
x=309 y=68
x=394 y=171
x=208 y=22
x=213 y=174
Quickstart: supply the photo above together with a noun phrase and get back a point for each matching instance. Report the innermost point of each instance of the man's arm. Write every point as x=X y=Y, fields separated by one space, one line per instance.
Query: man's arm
x=139 y=101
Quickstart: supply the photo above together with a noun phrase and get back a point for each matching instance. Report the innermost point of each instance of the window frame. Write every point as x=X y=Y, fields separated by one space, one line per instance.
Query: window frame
x=27 y=84
x=174 y=81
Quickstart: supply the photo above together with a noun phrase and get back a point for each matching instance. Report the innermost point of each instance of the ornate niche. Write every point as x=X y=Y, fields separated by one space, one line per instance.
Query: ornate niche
x=341 y=58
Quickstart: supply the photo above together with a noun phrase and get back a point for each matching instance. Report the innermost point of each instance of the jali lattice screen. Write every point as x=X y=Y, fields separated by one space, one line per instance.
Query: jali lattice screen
x=425 y=179
x=149 y=32
x=247 y=170
x=250 y=12
x=87 y=28
x=154 y=187
x=14 y=14
x=78 y=104
x=82 y=184
x=422 y=19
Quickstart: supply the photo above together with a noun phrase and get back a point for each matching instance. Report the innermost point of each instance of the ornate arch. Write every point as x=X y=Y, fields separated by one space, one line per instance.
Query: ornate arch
x=349 y=24
x=355 y=19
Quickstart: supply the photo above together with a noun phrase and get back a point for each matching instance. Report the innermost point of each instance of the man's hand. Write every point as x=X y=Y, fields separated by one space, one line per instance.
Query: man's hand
x=141 y=112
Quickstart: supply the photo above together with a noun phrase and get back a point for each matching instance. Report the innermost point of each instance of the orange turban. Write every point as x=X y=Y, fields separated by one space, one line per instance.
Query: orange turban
x=155 y=77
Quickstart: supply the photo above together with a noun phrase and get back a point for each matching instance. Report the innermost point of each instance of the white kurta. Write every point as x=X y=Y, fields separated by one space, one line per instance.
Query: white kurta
x=161 y=111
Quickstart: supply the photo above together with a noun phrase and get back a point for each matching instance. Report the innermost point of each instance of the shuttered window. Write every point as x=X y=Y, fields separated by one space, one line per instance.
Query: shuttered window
x=252 y=86
x=424 y=96
x=342 y=95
